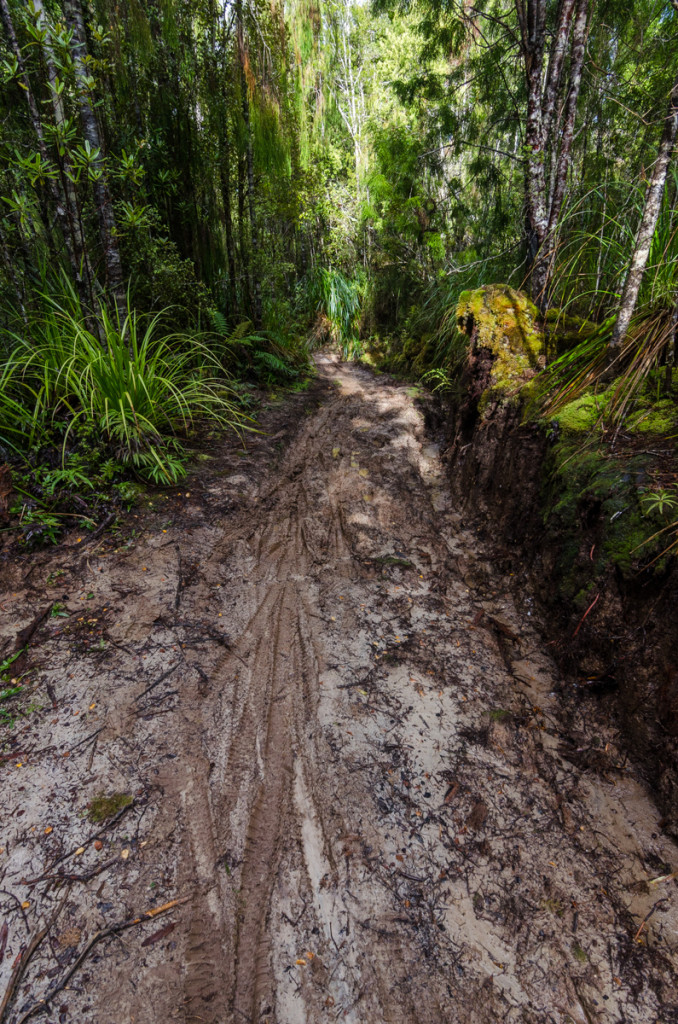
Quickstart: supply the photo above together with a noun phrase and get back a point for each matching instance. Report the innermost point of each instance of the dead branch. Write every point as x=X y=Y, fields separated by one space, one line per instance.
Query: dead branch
x=115 y=929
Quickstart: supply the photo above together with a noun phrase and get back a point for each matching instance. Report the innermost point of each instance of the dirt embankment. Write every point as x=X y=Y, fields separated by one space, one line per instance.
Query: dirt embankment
x=566 y=518
x=343 y=785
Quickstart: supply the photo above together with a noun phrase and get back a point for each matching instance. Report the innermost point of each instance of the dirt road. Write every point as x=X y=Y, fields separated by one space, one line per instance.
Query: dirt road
x=347 y=752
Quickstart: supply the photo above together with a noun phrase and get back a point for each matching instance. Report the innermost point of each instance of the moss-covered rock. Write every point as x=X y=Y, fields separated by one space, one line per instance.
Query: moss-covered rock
x=104 y=807
x=504 y=322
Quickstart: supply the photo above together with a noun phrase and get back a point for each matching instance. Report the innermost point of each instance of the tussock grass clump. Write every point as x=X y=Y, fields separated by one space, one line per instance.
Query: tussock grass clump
x=133 y=389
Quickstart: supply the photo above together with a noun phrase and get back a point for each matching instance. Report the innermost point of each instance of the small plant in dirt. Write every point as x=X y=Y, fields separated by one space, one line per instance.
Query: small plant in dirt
x=9 y=691
x=11 y=686
x=553 y=906
x=661 y=500
x=578 y=953
x=103 y=807
x=7 y=664
x=392 y=560
x=438 y=380
x=37 y=526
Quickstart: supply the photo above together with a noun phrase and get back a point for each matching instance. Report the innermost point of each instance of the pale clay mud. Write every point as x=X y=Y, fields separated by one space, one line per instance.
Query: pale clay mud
x=356 y=779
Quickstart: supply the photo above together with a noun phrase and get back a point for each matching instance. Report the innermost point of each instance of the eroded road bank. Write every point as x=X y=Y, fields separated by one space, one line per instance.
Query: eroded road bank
x=347 y=753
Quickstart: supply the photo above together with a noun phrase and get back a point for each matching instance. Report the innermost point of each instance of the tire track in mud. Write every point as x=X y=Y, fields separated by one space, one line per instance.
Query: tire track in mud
x=278 y=656
x=302 y=528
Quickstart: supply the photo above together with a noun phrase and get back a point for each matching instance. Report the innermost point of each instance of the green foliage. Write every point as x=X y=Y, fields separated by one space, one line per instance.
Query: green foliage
x=256 y=355
x=336 y=300
x=347 y=168
x=7 y=663
x=134 y=386
x=38 y=527
x=90 y=401
x=660 y=501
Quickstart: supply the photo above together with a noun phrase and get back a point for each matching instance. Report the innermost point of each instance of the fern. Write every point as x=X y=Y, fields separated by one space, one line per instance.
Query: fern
x=219 y=323
x=275 y=363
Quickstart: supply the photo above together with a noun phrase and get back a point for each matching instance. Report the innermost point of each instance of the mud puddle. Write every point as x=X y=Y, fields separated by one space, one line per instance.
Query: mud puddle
x=328 y=730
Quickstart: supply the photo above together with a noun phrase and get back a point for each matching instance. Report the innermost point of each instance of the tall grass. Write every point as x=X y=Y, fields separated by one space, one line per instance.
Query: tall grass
x=597 y=239
x=129 y=385
x=336 y=301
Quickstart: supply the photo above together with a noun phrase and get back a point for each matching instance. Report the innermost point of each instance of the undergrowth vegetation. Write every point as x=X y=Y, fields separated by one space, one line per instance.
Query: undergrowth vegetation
x=336 y=303
x=88 y=402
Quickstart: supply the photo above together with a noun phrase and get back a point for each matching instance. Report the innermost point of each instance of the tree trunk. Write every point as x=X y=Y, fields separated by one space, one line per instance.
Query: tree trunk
x=545 y=133
x=648 y=223
x=36 y=122
x=90 y=130
x=254 y=228
x=84 y=276
x=555 y=67
x=228 y=217
x=532 y=22
x=563 y=152
x=242 y=241
x=579 y=34
x=8 y=266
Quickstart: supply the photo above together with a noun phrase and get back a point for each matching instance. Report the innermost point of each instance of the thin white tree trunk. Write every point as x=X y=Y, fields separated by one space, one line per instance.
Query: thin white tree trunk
x=90 y=129
x=648 y=223
x=84 y=273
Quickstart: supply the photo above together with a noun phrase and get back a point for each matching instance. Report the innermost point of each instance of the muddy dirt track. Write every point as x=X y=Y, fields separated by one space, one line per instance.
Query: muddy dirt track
x=349 y=756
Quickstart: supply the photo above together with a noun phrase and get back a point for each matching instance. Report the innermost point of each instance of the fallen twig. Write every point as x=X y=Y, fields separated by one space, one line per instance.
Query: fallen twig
x=590 y=608
x=18 y=972
x=411 y=878
x=26 y=634
x=647 y=917
x=91 y=736
x=115 y=929
x=100 y=528
x=158 y=681
x=5 y=892
x=74 y=878
x=177 y=596
x=20 y=968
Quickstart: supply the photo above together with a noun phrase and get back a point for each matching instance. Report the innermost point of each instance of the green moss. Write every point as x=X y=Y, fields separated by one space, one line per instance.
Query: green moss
x=583 y=414
x=647 y=412
x=503 y=320
x=590 y=495
x=654 y=418
x=371 y=358
x=499 y=714
x=553 y=906
x=578 y=953
x=103 y=807
x=392 y=560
